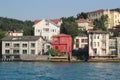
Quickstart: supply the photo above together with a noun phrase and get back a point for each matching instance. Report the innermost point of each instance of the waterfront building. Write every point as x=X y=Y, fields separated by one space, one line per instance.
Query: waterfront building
x=47 y=28
x=17 y=46
x=81 y=42
x=98 y=43
x=118 y=46
x=113 y=17
x=84 y=24
x=62 y=43
x=113 y=47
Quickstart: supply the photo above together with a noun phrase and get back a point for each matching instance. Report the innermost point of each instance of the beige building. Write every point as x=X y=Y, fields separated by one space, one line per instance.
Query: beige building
x=84 y=24
x=113 y=17
x=98 y=43
x=14 y=47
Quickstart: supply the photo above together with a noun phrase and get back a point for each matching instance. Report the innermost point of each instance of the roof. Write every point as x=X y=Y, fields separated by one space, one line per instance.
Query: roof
x=21 y=38
x=97 y=31
x=56 y=21
x=82 y=20
x=100 y=10
x=61 y=35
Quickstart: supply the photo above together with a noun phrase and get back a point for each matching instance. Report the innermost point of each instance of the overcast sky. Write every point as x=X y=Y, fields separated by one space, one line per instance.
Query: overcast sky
x=39 y=9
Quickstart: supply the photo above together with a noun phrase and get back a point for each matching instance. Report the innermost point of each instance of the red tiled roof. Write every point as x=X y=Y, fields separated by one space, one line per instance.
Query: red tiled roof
x=100 y=10
x=97 y=31
x=37 y=21
x=56 y=20
x=53 y=20
x=59 y=35
x=85 y=20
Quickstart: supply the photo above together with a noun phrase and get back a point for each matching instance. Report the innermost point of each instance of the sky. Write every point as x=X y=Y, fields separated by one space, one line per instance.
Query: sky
x=40 y=9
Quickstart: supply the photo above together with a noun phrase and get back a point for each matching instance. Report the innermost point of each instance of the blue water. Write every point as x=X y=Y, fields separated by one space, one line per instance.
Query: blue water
x=59 y=71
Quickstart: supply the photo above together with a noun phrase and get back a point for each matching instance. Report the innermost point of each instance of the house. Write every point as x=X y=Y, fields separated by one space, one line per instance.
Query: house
x=81 y=42
x=47 y=28
x=113 y=17
x=84 y=24
x=15 y=47
x=98 y=43
x=113 y=46
x=62 y=43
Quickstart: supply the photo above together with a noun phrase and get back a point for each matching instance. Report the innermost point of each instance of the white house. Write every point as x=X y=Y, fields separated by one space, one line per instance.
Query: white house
x=98 y=43
x=84 y=24
x=13 y=46
x=47 y=28
x=80 y=42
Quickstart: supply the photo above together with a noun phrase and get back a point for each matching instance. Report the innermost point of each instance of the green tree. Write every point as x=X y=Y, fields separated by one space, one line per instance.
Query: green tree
x=82 y=15
x=53 y=52
x=2 y=34
x=101 y=23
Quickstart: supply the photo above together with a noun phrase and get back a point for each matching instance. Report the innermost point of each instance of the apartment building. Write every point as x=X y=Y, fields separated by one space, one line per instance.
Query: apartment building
x=98 y=43
x=113 y=17
x=15 y=46
x=80 y=42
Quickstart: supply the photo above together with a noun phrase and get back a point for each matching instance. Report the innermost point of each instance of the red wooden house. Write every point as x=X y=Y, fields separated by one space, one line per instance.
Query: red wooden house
x=62 y=43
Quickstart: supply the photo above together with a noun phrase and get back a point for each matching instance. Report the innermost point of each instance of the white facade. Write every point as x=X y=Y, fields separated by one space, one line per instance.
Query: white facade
x=98 y=43
x=80 y=42
x=22 y=45
x=46 y=28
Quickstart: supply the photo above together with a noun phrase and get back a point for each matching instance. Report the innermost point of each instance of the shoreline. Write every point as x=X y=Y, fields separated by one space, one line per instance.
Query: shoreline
x=73 y=61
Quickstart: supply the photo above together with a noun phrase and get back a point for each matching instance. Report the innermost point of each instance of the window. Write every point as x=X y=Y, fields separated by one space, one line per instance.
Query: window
x=17 y=56
x=97 y=37
x=94 y=36
x=63 y=39
x=104 y=36
x=15 y=51
x=86 y=40
x=32 y=44
x=77 y=45
x=82 y=40
x=46 y=29
x=24 y=51
x=32 y=51
x=77 y=41
x=7 y=51
x=24 y=45
x=7 y=44
x=16 y=45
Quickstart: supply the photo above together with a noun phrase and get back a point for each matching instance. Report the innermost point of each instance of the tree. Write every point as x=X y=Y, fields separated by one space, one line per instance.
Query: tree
x=2 y=34
x=53 y=52
x=101 y=23
x=82 y=15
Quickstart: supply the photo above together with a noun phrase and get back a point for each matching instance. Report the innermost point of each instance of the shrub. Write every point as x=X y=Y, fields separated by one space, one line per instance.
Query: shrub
x=53 y=52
